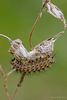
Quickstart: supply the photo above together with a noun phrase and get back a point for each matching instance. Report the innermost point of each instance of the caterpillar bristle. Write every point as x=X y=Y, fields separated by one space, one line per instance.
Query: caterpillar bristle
x=33 y=65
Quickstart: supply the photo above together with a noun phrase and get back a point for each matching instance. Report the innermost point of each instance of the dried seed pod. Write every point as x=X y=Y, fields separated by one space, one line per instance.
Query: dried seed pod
x=55 y=11
x=17 y=50
x=44 y=48
x=41 y=50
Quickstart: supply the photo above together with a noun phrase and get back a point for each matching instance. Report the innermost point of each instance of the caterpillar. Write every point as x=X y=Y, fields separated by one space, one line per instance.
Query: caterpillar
x=40 y=57
x=33 y=65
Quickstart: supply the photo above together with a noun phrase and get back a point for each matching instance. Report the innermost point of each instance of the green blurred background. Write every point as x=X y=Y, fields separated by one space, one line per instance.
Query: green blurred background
x=16 y=20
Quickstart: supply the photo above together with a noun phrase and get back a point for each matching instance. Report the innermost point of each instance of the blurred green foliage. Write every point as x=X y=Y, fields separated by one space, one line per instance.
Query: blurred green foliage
x=16 y=20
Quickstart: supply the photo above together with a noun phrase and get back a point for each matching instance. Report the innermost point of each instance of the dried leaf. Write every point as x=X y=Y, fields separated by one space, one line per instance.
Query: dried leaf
x=56 y=12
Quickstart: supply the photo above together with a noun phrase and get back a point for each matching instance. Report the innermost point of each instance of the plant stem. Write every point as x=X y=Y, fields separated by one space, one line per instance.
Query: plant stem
x=45 y=2
x=18 y=86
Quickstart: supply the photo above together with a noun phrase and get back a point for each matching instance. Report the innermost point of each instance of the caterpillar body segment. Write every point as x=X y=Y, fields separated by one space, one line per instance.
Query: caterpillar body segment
x=33 y=65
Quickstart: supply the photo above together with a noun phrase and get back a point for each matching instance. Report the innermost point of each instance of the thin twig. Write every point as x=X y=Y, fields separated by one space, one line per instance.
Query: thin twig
x=14 y=94
x=37 y=22
x=10 y=72
x=2 y=72
x=6 y=88
x=21 y=80
x=18 y=86
x=5 y=81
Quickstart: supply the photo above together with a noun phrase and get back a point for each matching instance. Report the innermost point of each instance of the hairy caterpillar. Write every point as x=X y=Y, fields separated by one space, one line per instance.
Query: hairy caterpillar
x=33 y=65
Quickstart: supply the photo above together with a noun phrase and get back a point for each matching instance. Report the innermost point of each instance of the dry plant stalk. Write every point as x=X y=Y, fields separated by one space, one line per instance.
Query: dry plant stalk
x=5 y=81
x=40 y=14
x=39 y=58
x=19 y=84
